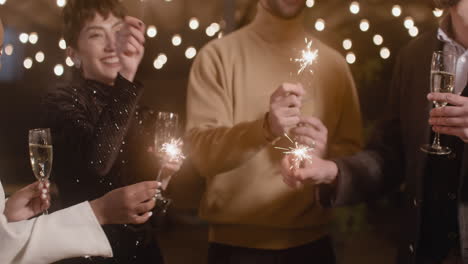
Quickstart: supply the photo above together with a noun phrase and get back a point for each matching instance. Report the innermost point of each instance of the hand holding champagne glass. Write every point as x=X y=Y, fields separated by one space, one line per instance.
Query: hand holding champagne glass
x=443 y=68
x=41 y=154
x=168 y=149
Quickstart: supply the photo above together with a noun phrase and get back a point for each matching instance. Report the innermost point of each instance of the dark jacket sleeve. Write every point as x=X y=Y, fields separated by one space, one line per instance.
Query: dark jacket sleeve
x=86 y=142
x=380 y=166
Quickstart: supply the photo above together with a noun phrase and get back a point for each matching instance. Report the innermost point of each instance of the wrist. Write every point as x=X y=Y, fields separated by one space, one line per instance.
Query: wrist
x=331 y=173
x=129 y=75
x=267 y=133
x=98 y=210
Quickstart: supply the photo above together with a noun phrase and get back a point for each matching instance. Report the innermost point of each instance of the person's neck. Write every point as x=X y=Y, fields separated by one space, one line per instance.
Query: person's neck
x=275 y=29
x=459 y=28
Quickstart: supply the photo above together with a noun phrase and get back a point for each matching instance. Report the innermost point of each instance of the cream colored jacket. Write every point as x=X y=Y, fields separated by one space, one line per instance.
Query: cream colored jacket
x=67 y=233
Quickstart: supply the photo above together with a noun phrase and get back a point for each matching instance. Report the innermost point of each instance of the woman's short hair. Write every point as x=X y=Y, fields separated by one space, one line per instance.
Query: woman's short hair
x=77 y=12
x=445 y=3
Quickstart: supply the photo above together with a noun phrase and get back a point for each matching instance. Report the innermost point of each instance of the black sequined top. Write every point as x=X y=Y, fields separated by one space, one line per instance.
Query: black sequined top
x=101 y=139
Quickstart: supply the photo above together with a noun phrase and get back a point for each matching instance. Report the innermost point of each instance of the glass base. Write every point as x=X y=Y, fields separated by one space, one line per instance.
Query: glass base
x=436 y=150
x=162 y=204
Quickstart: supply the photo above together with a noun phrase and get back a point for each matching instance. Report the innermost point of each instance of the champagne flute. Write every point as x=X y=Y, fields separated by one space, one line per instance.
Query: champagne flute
x=443 y=68
x=41 y=154
x=166 y=132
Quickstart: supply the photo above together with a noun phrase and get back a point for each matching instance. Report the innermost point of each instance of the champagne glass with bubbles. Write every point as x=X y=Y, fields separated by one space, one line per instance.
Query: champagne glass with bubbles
x=41 y=153
x=443 y=68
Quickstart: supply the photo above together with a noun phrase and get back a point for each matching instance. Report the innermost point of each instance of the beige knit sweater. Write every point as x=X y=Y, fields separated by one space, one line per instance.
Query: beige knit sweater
x=246 y=202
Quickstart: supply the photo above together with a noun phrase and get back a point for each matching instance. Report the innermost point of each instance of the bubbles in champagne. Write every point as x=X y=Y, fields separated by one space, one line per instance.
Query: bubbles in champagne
x=41 y=160
x=442 y=82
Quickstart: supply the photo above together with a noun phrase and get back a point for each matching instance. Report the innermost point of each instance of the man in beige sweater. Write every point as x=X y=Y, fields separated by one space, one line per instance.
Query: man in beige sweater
x=236 y=117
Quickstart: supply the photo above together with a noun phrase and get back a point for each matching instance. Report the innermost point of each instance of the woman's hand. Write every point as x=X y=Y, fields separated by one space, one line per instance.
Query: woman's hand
x=28 y=202
x=127 y=205
x=130 y=46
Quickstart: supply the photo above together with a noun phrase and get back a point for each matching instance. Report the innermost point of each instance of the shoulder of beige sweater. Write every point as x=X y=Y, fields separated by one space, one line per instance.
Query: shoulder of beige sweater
x=229 y=41
x=334 y=57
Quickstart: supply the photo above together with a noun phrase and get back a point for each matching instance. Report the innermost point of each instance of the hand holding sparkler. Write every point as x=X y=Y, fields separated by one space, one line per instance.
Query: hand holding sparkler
x=317 y=171
x=312 y=132
x=285 y=104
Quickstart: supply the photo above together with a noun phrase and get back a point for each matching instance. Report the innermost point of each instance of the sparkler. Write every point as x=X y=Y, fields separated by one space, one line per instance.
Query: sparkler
x=173 y=150
x=308 y=58
x=301 y=153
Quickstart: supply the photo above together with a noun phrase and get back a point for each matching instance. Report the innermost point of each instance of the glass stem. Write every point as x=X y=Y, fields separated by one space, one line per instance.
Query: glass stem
x=158 y=179
x=436 y=142
x=45 y=212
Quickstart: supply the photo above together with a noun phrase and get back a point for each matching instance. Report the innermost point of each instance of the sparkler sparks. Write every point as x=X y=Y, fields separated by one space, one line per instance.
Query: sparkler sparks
x=173 y=150
x=308 y=57
x=300 y=153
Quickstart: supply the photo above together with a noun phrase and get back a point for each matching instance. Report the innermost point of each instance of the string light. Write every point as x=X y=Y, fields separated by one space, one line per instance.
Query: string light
x=162 y=57
x=350 y=58
x=396 y=11
x=210 y=31
x=438 y=12
x=320 y=24
x=378 y=40
x=27 y=63
x=23 y=37
x=33 y=38
x=160 y=61
x=216 y=27
x=354 y=7
x=152 y=31
x=61 y=3
x=40 y=56
x=409 y=22
x=62 y=44
x=2 y=2
x=9 y=50
x=413 y=32
x=190 y=53
x=347 y=44
x=157 y=64
x=176 y=40
x=194 y=24
x=310 y=3
x=385 y=53
x=58 y=69
x=364 y=25
x=69 y=62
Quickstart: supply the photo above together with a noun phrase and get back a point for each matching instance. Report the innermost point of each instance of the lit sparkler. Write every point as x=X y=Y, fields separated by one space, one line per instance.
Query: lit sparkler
x=308 y=57
x=301 y=153
x=173 y=150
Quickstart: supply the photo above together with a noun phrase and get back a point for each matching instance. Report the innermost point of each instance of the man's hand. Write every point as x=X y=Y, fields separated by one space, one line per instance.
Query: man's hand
x=285 y=104
x=450 y=120
x=312 y=133
x=28 y=202
x=127 y=205
x=317 y=171
x=130 y=42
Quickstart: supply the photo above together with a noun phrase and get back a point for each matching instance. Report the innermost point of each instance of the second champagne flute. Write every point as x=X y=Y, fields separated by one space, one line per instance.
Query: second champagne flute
x=41 y=153
x=443 y=68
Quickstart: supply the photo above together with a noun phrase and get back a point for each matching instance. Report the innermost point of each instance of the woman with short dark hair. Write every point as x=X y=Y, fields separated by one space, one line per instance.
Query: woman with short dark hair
x=101 y=136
